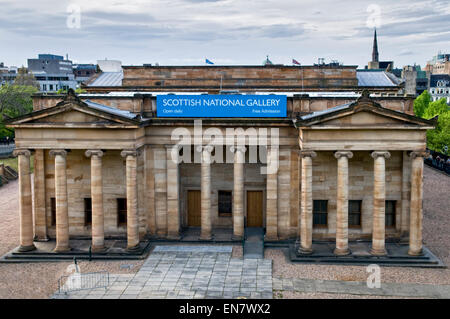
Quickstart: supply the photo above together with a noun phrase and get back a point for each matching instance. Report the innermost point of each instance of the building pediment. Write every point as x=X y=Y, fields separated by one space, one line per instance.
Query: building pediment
x=72 y=112
x=364 y=113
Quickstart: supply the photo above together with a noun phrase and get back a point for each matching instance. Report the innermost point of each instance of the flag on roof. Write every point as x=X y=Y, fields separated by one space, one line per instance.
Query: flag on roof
x=294 y=61
x=208 y=61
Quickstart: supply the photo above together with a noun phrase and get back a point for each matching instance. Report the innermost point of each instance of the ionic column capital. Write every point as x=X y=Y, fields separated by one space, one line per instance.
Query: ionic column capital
x=21 y=151
x=90 y=153
x=340 y=154
x=62 y=153
x=415 y=154
x=377 y=154
x=239 y=148
x=126 y=153
x=311 y=154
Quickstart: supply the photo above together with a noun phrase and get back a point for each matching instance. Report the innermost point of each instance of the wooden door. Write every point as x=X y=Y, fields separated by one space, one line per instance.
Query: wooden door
x=254 y=209
x=194 y=208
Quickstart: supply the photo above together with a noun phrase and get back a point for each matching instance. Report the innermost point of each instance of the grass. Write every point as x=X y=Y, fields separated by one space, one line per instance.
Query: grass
x=13 y=162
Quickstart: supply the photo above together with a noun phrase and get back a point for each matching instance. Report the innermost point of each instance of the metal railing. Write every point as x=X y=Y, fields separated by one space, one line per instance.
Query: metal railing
x=81 y=281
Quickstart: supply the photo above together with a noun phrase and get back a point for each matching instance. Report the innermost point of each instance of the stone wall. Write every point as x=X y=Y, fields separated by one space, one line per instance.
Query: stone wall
x=295 y=105
x=240 y=76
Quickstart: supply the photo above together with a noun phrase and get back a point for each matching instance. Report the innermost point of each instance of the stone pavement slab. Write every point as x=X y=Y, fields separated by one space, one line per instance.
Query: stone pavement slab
x=186 y=272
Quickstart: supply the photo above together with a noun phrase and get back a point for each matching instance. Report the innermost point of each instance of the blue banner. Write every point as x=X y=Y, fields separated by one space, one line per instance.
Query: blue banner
x=221 y=105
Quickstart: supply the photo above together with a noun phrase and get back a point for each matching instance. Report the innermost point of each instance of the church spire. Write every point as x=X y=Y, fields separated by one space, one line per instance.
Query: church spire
x=375 y=47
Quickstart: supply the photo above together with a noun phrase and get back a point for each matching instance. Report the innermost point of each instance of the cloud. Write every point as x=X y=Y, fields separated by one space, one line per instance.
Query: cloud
x=226 y=30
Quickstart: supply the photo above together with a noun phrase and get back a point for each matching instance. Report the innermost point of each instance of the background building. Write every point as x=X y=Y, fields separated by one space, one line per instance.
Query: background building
x=52 y=72
x=439 y=64
x=440 y=87
x=7 y=74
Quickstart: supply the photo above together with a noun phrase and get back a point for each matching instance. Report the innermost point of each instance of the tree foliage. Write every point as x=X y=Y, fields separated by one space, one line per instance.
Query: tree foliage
x=438 y=138
x=421 y=103
x=77 y=91
x=15 y=100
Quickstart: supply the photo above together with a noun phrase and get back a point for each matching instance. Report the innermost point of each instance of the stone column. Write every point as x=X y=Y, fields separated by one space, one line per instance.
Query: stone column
x=306 y=218
x=238 y=192
x=416 y=214
x=98 y=222
x=206 y=224
x=40 y=218
x=342 y=203
x=160 y=178
x=62 y=212
x=379 y=203
x=406 y=195
x=173 y=198
x=25 y=205
x=272 y=195
x=132 y=202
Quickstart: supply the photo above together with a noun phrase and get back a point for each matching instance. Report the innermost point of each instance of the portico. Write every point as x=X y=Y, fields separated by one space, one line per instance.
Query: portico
x=318 y=133
x=101 y=173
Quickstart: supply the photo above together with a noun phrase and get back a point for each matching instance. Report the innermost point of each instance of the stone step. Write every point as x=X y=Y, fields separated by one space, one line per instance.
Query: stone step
x=9 y=174
x=254 y=243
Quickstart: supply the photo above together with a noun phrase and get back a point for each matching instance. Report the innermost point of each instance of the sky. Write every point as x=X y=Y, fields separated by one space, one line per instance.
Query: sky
x=227 y=32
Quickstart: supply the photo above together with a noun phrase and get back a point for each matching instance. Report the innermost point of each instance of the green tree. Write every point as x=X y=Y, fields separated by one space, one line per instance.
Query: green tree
x=15 y=100
x=77 y=91
x=435 y=108
x=421 y=103
x=438 y=138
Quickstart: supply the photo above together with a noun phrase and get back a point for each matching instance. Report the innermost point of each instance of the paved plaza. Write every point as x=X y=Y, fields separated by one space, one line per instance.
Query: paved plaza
x=188 y=272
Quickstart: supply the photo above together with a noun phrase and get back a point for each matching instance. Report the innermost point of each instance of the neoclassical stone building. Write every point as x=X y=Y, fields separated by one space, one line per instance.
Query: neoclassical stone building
x=348 y=167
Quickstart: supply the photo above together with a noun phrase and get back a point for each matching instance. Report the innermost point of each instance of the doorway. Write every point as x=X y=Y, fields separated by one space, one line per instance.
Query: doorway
x=254 y=209
x=194 y=208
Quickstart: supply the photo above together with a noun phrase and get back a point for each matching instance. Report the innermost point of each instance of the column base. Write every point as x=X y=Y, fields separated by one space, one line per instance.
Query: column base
x=61 y=249
x=378 y=252
x=304 y=251
x=341 y=251
x=133 y=249
x=98 y=249
x=23 y=249
x=206 y=237
x=415 y=252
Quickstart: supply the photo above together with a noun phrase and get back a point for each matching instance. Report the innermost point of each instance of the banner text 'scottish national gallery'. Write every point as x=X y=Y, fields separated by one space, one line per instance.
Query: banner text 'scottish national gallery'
x=304 y=153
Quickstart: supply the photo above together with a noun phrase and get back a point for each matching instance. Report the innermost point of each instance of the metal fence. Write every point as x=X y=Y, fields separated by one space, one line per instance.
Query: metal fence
x=439 y=161
x=82 y=281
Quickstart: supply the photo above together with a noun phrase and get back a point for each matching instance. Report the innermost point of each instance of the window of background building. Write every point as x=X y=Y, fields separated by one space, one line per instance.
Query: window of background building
x=320 y=213
x=121 y=211
x=87 y=212
x=53 y=210
x=354 y=213
x=390 y=213
x=225 y=203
